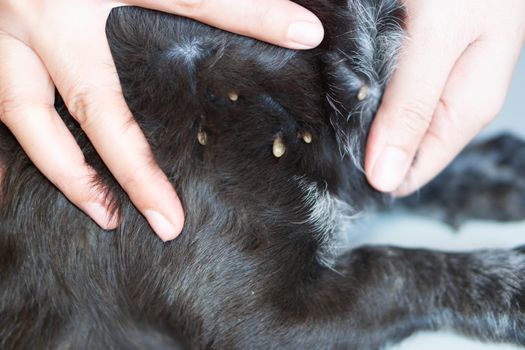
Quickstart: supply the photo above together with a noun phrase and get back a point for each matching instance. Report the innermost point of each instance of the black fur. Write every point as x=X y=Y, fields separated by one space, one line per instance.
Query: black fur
x=486 y=182
x=254 y=267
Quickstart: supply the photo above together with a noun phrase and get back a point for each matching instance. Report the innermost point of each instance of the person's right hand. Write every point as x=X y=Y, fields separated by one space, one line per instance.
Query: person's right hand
x=62 y=43
x=451 y=80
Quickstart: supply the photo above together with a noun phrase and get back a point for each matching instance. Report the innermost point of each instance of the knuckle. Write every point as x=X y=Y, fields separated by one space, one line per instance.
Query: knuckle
x=89 y=107
x=10 y=102
x=15 y=110
x=9 y=106
x=80 y=105
x=448 y=112
x=414 y=117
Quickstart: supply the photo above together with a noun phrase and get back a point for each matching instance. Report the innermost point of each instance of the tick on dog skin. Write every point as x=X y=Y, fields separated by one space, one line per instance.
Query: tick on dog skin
x=363 y=92
x=202 y=137
x=279 y=148
x=233 y=96
x=307 y=137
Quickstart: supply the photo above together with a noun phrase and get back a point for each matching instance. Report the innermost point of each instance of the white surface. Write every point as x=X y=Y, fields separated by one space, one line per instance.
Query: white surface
x=411 y=231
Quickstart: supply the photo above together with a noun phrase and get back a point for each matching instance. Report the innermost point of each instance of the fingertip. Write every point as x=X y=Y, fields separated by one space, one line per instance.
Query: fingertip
x=158 y=202
x=304 y=34
x=303 y=29
x=404 y=190
x=166 y=229
x=386 y=165
x=390 y=169
x=280 y=22
x=177 y=218
x=180 y=219
x=394 y=140
x=101 y=215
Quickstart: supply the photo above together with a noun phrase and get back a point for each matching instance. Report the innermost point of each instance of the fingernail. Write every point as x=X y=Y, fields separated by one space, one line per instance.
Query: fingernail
x=390 y=169
x=305 y=34
x=162 y=226
x=101 y=216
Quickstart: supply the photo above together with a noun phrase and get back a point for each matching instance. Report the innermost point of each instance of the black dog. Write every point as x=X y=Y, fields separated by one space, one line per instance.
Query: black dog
x=264 y=146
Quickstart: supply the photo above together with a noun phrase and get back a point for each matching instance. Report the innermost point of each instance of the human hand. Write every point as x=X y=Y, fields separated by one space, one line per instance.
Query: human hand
x=62 y=43
x=451 y=80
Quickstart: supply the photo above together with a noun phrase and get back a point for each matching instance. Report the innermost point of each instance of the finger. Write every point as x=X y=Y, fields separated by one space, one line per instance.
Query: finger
x=473 y=96
x=279 y=22
x=26 y=101
x=408 y=105
x=87 y=80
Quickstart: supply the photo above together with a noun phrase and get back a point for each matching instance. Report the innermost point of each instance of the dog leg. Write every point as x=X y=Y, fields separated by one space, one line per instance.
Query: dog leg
x=485 y=182
x=376 y=296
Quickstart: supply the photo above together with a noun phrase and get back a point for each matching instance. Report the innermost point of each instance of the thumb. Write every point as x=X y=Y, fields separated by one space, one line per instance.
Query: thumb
x=407 y=109
x=280 y=22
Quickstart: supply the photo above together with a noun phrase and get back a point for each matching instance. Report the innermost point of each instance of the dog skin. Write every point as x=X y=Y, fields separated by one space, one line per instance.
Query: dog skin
x=255 y=267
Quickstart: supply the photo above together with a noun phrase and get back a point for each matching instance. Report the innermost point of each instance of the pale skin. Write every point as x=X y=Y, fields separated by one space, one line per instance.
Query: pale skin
x=451 y=80
x=61 y=43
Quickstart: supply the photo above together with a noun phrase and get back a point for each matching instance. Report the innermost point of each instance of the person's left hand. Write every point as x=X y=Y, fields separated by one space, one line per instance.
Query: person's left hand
x=48 y=44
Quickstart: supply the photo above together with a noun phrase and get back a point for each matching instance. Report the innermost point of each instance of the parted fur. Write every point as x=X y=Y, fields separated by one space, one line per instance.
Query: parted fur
x=255 y=267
